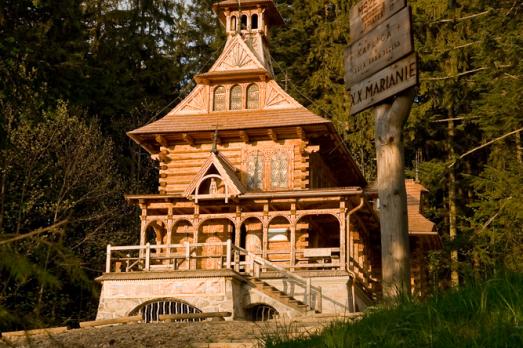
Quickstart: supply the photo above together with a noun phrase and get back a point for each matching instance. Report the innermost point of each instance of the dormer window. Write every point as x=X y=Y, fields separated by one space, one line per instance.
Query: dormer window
x=219 y=99
x=254 y=21
x=253 y=96
x=236 y=98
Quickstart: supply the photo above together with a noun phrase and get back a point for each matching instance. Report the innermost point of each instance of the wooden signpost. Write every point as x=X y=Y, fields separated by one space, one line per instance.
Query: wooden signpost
x=381 y=70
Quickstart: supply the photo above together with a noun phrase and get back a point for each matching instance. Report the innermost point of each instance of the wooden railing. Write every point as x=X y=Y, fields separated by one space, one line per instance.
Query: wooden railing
x=216 y=256
x=254 y=265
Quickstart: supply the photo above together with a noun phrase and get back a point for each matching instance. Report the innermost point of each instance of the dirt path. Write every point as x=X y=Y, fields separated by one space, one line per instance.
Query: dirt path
x=212 y=334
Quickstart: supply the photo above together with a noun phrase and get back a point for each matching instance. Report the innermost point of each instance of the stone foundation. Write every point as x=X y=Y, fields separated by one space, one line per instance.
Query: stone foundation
x=215 y=291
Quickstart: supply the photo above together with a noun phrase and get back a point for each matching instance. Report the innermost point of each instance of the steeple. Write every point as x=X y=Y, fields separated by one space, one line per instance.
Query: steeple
x=251 y=19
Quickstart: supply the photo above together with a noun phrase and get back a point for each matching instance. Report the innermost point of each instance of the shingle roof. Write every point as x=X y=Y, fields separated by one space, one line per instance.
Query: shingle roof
x=231 y=120
x=418 y=224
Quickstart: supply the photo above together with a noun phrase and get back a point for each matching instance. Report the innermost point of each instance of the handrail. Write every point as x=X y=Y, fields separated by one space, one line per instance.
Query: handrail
x=306 y=283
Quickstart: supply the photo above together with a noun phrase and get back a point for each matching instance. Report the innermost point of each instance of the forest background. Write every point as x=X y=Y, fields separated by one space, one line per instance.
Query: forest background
x=75 y=75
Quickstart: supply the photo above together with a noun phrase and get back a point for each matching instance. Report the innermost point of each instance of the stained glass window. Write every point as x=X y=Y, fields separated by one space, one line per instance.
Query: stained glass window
x=279 y=170
x=253 y=96
x=255 y=172
x=219 y=99
x=236 y=98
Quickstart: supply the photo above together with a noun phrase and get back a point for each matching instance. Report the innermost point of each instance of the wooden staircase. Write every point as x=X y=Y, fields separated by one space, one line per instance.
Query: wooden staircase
x=279 y=295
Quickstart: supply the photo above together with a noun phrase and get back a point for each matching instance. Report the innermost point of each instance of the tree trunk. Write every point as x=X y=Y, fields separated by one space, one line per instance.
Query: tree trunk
x=453 y=230
x=395 y=251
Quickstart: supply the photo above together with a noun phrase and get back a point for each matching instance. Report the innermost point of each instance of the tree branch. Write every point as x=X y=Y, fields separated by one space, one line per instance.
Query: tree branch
x=462 y=18
x=484 y=145
x=34 y=233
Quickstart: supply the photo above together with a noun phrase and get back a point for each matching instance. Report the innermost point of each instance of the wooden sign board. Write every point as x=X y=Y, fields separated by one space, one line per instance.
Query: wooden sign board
x=384 y=84
x=367 y=14
x=384 y=45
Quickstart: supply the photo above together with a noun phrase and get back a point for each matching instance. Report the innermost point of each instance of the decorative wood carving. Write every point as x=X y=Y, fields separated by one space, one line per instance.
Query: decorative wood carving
x=237 y=55
x=197 y=102
x=277 y=98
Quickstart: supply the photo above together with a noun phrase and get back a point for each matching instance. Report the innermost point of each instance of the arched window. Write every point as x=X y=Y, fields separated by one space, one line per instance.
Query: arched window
x=233 y=23
x=219 y=99
x=254 y=21
x=280 y=170
x=244 y=22
x=255 y=171
x=253 y=96
x=236 y=98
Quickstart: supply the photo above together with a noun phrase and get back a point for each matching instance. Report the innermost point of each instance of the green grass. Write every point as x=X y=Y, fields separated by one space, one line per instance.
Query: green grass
x=487 y=314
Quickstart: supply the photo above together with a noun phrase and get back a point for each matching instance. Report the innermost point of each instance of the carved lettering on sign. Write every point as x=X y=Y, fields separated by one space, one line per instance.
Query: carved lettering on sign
x=387 y=43
x=384 y=84
x=367 y=14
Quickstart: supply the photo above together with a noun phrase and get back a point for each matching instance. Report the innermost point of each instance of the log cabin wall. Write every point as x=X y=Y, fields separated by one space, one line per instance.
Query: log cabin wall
x=182 y=162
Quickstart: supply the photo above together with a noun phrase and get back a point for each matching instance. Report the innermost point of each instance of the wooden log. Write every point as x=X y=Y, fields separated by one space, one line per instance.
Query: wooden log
x=393 y=198
x=47 y=331
x=125 y=320
x=171 y=317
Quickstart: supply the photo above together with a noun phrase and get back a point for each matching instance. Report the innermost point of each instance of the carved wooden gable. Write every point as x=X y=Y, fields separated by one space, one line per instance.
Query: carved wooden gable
x=197 y=102
x=216 y=178
x=237 y=56
x=277 y=98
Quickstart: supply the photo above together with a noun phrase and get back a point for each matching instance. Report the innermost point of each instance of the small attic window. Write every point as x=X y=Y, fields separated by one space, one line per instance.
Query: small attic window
x=236 y=98
x=233 y=23
x=244 y=22
x=219 y=99
x=253 y=96
x=254 y=21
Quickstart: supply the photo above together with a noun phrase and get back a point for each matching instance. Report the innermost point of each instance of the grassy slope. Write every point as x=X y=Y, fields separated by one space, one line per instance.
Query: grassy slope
x=488 y=314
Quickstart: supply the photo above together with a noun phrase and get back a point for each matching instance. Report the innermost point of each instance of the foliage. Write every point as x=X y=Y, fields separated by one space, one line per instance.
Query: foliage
x=482 y=314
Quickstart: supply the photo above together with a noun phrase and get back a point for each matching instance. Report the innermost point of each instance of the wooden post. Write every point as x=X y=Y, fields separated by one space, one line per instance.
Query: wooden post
x=343 y=234
x=108 y=259
x=393 y=198
x=228 y=258
x=148 y=256
x=293 y=245
x=308 y=293
x=188 y=255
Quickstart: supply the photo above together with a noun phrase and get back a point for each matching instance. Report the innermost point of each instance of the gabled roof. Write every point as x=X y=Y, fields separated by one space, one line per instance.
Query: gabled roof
x=226 y=172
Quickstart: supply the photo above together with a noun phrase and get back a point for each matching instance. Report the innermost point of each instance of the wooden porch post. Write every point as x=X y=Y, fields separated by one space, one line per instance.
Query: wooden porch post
x=293 y=235
x=293 y=244
x=143 y=228
x=265 y=222
x=343 y=233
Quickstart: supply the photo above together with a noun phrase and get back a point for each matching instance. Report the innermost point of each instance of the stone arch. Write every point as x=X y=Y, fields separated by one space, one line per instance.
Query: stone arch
x=260 y=312
x=152 y=309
